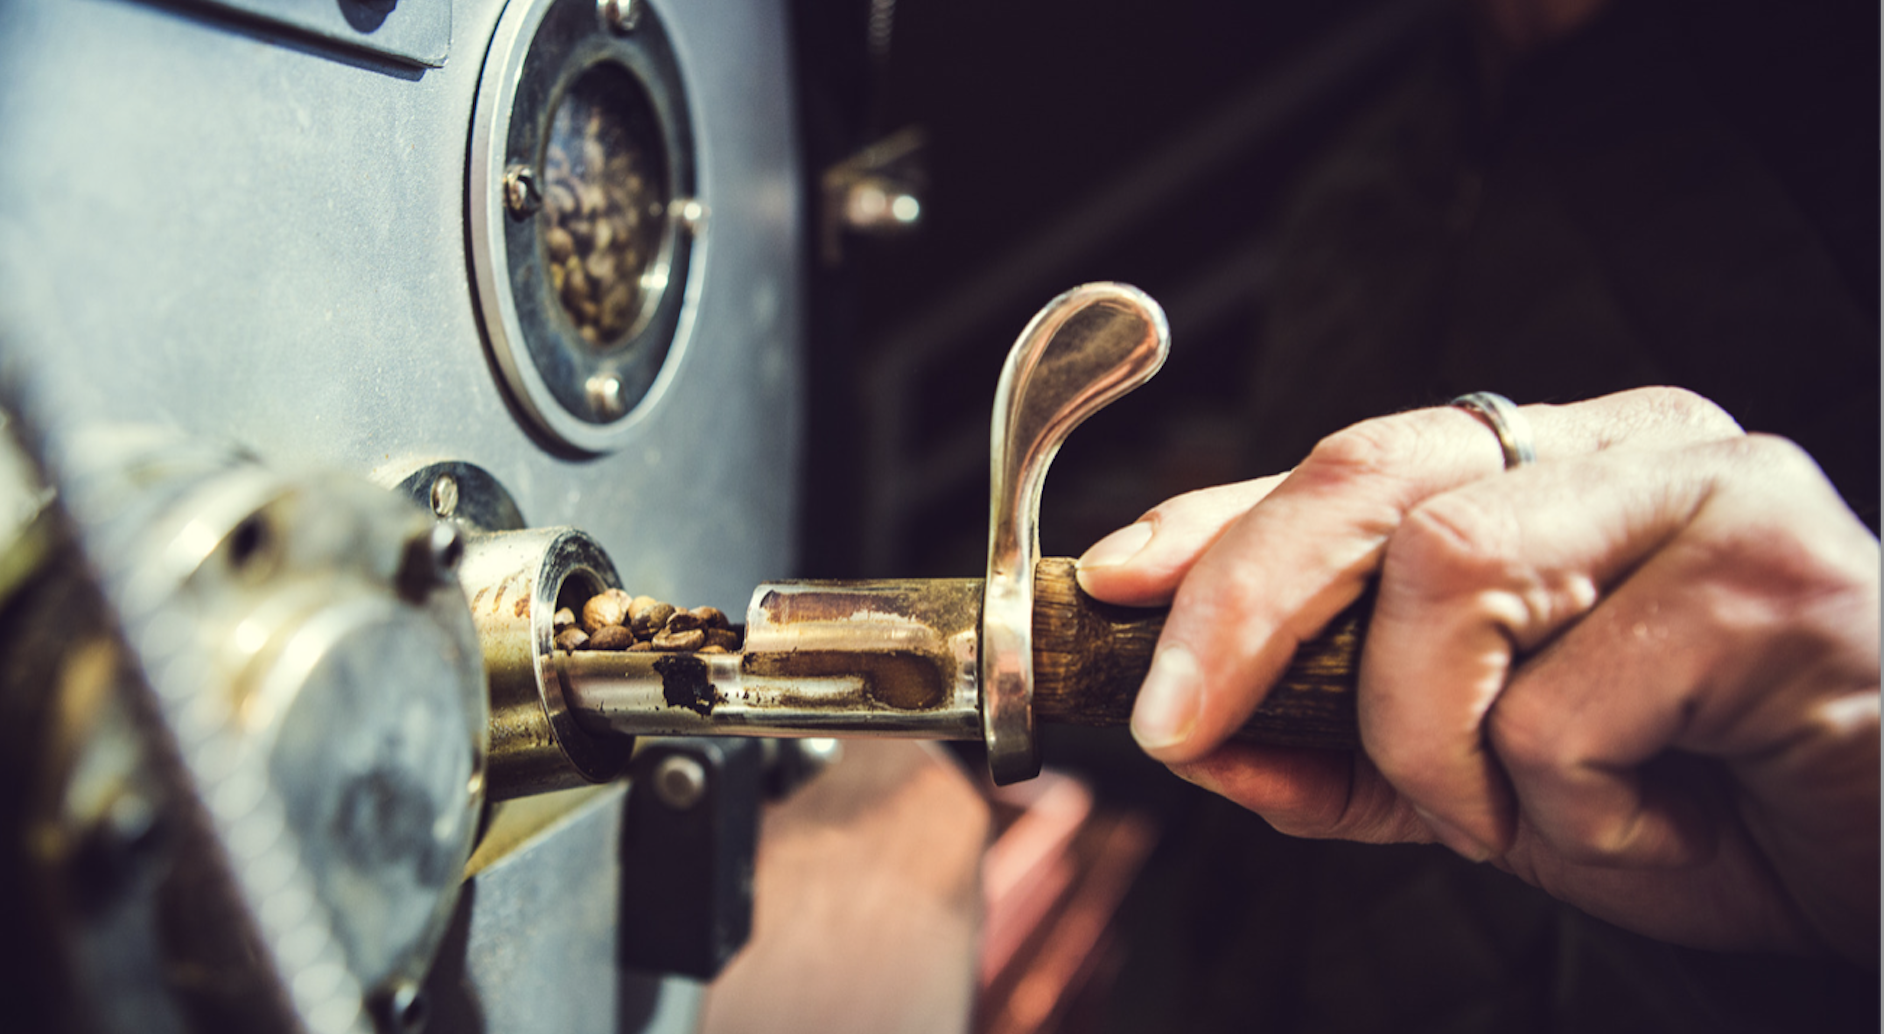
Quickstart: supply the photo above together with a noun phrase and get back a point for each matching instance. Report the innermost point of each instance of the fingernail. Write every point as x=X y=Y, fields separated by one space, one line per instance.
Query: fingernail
x=1454 y=837
x=1167 y=704
x=1118 y=547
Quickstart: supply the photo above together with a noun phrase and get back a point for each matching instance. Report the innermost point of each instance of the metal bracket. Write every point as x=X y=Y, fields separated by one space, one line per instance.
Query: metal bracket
x=688 y=848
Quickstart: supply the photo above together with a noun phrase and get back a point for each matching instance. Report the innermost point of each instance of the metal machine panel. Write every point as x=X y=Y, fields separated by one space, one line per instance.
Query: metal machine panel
x=244 y=231
x=419 y=32
x=540 y=913
x=257 y=235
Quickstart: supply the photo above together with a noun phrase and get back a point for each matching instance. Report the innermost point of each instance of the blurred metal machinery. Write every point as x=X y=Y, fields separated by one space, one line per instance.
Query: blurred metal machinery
x=340 y=343
x=257 y=757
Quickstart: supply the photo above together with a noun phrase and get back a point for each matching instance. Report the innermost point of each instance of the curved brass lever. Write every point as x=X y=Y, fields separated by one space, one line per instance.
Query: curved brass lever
x=1085 y=349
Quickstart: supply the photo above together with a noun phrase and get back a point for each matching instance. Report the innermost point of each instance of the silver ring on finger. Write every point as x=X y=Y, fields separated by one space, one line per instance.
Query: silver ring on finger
x=1505 y=420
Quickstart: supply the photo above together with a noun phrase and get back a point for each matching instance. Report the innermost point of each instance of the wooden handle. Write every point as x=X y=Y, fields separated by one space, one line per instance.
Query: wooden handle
x=1090 y=658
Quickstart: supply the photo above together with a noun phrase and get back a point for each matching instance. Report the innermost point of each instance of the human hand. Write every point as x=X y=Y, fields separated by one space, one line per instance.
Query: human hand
x=1641 y=674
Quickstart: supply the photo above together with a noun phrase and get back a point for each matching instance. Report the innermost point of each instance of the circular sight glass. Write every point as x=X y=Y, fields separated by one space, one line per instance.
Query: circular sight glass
x=603 y=228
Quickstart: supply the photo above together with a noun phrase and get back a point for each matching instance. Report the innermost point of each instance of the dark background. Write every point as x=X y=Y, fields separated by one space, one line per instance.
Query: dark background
x=1067 y=142
x=1342 y=216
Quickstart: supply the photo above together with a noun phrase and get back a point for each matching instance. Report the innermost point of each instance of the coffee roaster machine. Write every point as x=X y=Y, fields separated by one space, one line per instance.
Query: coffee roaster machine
x=341 y=342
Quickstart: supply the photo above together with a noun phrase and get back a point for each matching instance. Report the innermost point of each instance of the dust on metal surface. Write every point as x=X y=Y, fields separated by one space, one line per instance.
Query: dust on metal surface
x=902 y=679
x=899 y=639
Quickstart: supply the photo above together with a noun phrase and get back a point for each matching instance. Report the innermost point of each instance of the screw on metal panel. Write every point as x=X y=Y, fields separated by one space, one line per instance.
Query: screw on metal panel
x=877 y=204
x=820 y=752
x=790 y=764
x=689 y=214
x=400 y=1008
x=604 y=391
x=430 y=560
x=125 y=833
x=446 y=547
x=251 y=542
x=680 y=781
x=619 y=16
x=130 y=819
x=445 y=495
x=523 y=194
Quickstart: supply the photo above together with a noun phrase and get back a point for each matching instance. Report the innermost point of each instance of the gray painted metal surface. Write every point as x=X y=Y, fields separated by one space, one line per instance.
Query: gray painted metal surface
x=257 y=238
x=418 y=31
x=541 y=949
x=254 y=234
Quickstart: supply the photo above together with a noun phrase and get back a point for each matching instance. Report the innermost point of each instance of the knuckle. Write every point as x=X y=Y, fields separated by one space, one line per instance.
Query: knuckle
x=1790 y=538
x=1179 y=505
x=1590 y=813
x=1410 y=763
x=1470 y=555
x=1693 y=410
x=1528 y=738
x=1779 y=458
x=1589 y=836
x=1685 y=410
x=1215 y=503
x=1306 y=816
x=1370 y=448
x=1449 y=541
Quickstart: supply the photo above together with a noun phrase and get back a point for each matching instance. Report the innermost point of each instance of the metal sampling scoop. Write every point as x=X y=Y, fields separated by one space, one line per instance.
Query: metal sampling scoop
x=963 y=658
